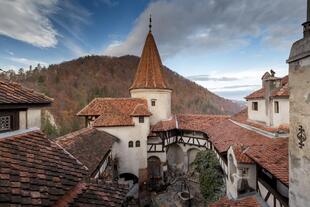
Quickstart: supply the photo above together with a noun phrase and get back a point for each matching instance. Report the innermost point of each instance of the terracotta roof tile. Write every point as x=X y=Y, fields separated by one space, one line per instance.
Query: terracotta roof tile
x=140 y=110
x=249 y=201
x=259 y=94
x=113 y=120
x=164 y=125
x=202 y=123
x=273 y=156
x=14 y=93
x=193 y=122
x=282 y=91
x=101 y=194
x=149 y=72
x=35 y=171
x=88 y=145
x=115 y=111
x=240 y=155
x=228 y=133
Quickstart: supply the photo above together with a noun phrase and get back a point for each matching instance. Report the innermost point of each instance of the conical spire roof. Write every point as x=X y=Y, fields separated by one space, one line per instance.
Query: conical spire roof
x=149 y=73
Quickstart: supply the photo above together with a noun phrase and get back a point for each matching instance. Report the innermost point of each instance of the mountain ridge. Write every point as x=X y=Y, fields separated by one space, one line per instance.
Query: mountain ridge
x=74 y=83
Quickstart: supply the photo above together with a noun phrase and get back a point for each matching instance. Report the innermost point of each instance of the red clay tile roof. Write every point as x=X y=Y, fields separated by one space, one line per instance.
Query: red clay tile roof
x=35 y=171
x=259 y=94
x=228 y=133
x=281 y=92
x=273 y=156
x=164 y=125
x=192 y=122
x=89 y=146
x=114 y=111
x=240 y=155
x=149 y=73
x=140 y=110
x=249 y=201
x=101 y=194
x=14 y=93
x=113 y=120
x=202 y=123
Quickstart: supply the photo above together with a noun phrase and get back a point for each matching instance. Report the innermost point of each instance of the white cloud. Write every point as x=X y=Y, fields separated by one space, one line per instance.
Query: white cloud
x=25 y=62
x=28 y=21
x=198 y=26
x=75 y=49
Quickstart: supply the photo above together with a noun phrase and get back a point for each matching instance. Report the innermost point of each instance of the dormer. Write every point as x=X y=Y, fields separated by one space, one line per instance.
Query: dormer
x=20 y=107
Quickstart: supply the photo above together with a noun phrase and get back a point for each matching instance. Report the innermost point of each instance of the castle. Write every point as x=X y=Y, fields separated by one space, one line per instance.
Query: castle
x=263 y=150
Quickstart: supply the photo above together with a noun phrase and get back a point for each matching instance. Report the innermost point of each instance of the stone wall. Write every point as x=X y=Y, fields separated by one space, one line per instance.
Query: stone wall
x=299 y=83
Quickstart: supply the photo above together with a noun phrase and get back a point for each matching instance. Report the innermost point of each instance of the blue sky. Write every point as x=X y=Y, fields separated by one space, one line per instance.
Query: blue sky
x=223 y=45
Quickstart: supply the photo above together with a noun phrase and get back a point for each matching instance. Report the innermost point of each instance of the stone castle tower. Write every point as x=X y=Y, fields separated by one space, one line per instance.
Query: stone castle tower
x=299 y=142
x=150 y=84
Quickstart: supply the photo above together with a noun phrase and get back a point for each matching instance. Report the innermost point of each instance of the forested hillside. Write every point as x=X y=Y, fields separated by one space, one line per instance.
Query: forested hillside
x=75 y=83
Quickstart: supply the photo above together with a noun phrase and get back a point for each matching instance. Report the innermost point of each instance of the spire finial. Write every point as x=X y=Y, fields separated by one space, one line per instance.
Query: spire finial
x=308 y=10
x=150 y=25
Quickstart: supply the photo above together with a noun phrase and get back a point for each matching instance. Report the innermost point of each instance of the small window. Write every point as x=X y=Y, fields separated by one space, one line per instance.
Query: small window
x=141 y=119
x=137 y=143
x=130 y=144
x=153 y=102
x=5 y=123
x=276 y=107
x=255 y=106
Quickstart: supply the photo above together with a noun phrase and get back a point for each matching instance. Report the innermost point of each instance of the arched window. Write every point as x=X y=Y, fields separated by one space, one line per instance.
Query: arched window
x=138 y=143
x=130 y=144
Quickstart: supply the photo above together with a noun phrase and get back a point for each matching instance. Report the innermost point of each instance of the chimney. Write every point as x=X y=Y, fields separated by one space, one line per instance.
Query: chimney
x=270 y=82
x=307 y=23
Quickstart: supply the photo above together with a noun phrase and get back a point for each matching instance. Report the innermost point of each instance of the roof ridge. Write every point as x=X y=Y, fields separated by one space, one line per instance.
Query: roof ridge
x=79 y=131
x=19 y=132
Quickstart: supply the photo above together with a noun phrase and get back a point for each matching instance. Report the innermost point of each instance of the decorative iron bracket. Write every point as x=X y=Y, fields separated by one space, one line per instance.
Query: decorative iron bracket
x=301 y=136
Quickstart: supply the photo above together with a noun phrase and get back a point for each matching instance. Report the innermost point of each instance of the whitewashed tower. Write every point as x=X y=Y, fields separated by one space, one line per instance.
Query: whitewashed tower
x=149 y=82
x=299 y=142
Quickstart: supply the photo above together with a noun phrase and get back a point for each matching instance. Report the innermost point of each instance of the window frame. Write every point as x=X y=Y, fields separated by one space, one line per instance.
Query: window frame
x=14 y=119
x=254 y=106
x=141 y=119
x=130 y=144
x=153 y=102
x=6 y=118
x=276 y=107
x=137 y=143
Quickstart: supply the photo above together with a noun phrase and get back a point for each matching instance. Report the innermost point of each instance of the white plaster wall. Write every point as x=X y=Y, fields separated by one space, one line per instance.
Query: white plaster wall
x=283 y=116
x=192 y=153
x=259 y=115
x=162 y=109
x=22 y=119
x=232 y=185
x=34 y=117
x=135 y=158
